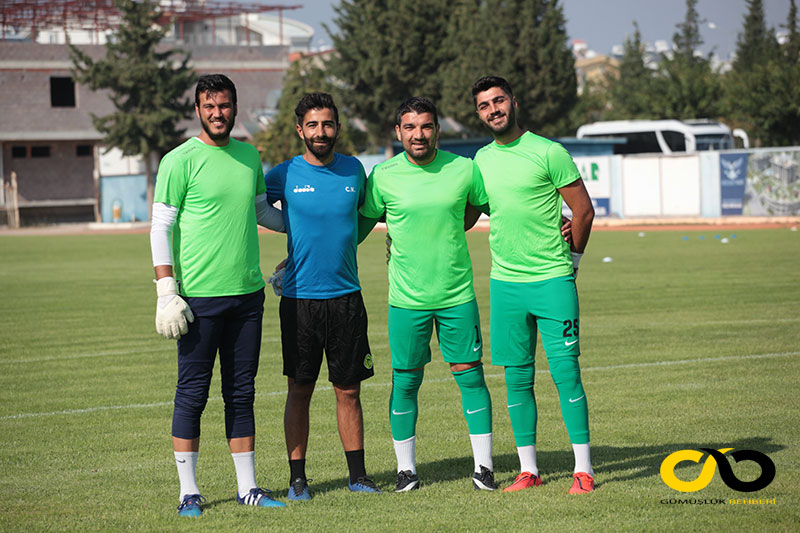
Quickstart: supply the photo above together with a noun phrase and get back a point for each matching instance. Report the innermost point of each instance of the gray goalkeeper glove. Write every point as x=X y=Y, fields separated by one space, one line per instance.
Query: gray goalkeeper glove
x=172 y=312
x=276 y=279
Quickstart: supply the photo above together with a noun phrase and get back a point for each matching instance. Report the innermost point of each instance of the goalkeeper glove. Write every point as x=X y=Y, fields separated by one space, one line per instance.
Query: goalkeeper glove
x=276 y=279
x=172 y=312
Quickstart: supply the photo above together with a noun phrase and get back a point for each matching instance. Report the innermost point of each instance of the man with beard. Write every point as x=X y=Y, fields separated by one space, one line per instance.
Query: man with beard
x=533 y=272
x=321 y=306
x=424 y=193
x=209 y=196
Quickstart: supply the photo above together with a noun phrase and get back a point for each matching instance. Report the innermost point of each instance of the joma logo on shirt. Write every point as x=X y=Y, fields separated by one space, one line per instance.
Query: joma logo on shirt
x=305 y=188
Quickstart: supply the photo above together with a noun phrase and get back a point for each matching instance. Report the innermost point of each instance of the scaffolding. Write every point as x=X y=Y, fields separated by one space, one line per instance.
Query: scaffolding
x=97 y=16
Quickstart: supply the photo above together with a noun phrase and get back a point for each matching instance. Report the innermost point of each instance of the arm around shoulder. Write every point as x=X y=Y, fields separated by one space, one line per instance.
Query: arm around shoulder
x=268 y=216
x=473 y=213
x=365 y=226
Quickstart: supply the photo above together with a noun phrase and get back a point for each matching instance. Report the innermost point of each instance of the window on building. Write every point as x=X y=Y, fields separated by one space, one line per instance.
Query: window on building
x=19 y=152
x=83 y=150
x=40 y=151
x=62 y=92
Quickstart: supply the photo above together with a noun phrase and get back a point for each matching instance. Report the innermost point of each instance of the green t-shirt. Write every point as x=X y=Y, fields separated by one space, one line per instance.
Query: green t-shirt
x=424 y=206
x=521 y=179
x=215 y=237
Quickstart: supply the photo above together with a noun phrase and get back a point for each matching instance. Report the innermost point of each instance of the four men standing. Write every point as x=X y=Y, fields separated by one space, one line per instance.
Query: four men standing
x=211 y=191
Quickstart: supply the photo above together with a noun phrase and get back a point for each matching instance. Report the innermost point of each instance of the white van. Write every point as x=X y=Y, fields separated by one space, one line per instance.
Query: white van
x=665 y=136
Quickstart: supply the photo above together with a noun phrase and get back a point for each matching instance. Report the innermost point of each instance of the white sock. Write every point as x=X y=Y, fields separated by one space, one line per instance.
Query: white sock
x=583 y=462
x=405 y=450
x=245 y=471
x=527 y=459
x=482 y=451
x=187 y=465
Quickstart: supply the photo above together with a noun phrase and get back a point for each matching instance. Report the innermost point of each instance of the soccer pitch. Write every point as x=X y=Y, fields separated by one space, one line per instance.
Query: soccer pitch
x=687 y=343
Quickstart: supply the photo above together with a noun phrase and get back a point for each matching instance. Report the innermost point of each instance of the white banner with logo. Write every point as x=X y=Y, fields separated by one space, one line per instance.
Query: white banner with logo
x=596 y=174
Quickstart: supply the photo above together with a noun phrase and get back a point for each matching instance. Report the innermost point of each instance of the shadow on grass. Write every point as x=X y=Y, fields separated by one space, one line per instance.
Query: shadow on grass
x=625 y=463
x=613 y=464
x=210 y=504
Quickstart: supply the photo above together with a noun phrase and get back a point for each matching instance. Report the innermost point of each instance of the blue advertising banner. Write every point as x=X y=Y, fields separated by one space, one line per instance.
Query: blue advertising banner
x=733 y=176
x=602 y=206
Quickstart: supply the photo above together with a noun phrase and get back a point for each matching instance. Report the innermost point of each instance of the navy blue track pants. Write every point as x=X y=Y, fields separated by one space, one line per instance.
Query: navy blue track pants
x=232 y=326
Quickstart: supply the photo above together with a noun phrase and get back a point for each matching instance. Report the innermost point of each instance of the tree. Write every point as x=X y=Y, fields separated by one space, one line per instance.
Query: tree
x=280 y=141
x=386 y=51
x=762 y=86
x=756 y=41
x=748 y=93
x=792 y=47
x=630 y=93
x=524 y=41
x=784 y=120
x=147 y=89
x=474 y=46
x=688 y=39
x=592 y=105
x=687 y=87
x=542 y=69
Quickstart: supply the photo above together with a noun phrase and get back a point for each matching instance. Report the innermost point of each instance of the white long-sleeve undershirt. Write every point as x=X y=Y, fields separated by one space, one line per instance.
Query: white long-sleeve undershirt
x=164 y=217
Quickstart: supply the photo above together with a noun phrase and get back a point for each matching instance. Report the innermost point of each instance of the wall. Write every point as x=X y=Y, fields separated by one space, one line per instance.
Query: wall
x=54 y=177
x=756 y=182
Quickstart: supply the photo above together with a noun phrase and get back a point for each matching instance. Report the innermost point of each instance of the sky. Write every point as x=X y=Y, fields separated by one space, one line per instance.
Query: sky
x=604 y=23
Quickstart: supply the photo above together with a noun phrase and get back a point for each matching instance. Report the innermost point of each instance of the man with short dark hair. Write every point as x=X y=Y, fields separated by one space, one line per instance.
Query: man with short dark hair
x=533 y=274
x=424 y=193
x=321 y=306
x=209 y=197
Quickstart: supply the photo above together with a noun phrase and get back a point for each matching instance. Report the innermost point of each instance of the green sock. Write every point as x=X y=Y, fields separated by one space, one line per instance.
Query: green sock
x=475 y=400
x=521 y=403
x=566 y=373
x=403 y=408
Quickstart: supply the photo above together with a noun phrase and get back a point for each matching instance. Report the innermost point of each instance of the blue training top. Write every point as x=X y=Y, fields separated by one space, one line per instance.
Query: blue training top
x=320 y=212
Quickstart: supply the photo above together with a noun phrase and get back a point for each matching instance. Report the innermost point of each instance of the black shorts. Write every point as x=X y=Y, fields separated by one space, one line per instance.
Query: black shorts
x=337 y=325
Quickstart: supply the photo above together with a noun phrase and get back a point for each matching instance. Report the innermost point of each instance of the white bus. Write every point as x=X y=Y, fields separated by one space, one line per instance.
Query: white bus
x=665 y=136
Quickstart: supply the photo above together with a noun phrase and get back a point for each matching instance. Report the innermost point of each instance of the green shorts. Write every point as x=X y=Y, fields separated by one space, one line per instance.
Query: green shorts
x=518 y=310
x=458 y=330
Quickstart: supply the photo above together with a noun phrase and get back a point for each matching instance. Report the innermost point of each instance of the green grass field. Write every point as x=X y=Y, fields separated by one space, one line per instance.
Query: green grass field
x=687 y=343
